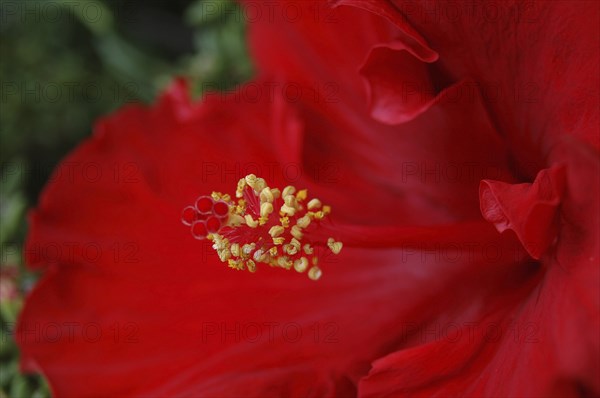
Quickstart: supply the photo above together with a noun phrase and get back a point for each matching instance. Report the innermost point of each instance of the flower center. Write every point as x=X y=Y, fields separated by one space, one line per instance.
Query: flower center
x=265 y=225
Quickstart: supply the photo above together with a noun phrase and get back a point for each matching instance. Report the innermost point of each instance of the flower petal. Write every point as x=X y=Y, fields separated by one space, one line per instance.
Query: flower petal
x=300 y=44
x=131 y=304
x=528 y=209
x=414 y=42
x=541 y=331
x=422 y=172
x=398 y=84
x=546 y=326
x=535 y=63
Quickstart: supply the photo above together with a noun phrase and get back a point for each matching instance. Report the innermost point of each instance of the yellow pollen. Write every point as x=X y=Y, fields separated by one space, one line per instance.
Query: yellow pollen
x=223 y=254
x=248 y=248
x=315 y=273
x=291 y=201
x=264 y=225
x=266 y=195
x=314 y=204
x=260 y=185
x=335 y=247
x=303 y=222
x=301 y=195
x=236 y=264
x=235 y=249
x=235 y=220
x=239 y=192
x=251 y=180
x=283 y=262
x=297 y=232
x=276 y=231
x=290 y=249
x=266 y=209
x=308 y=249
x=220 y=196
x=250 y=222
x=301 y=264
x=289 y=190
x=258 y=255
x=285 y=209
x=241 y=206
x=319 y=215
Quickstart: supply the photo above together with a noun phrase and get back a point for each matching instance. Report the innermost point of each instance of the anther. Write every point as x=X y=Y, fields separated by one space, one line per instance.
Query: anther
x=315 y=273
x=250 y=222
x=314 y=204
x=335 y=247
x=262 y=226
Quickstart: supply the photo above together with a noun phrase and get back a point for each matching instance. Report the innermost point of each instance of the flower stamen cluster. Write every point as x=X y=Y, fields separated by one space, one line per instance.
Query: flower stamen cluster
x=263 y=225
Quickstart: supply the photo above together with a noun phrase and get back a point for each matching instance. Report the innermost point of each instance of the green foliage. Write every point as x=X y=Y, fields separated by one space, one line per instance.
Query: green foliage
x=61 y=69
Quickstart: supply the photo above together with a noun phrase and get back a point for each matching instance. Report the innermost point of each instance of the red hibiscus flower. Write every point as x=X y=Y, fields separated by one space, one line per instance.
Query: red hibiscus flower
x=474 y=121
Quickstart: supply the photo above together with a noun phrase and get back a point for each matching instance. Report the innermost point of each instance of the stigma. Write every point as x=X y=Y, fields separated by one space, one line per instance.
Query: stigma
x=263 y=225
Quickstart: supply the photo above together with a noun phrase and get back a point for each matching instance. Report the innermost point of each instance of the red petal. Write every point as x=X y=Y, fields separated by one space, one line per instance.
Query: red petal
x=307 y=50
x=534 y=337
x=398 y=84
x=528 y=209
x=535 y=64
x=129 y=295
x=423 y=172
x=414 y=42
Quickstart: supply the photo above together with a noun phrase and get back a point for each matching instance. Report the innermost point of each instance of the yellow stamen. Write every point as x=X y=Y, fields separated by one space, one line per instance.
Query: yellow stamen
x=301 y=195
x=303 y=222
x=296 y=232
x=285 y=209
x=266 y=195
x=239 y=192
x=276 y=231
x=289 y=190
x=285 y=222
x=235 y=249
x=266 y=209
x=250 y=222
x=301 y=264
x=308 y=249
x=315 y=273
x=296 y=243
x=267 y=226
x=290 y=249
x=235 y=220
x=314 y=204
x=276 y=193
x=248 y=248
x=335 y=247
x=251 y=180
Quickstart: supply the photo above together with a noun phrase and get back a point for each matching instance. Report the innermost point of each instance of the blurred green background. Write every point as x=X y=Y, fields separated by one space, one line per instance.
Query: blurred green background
x=63 y=64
